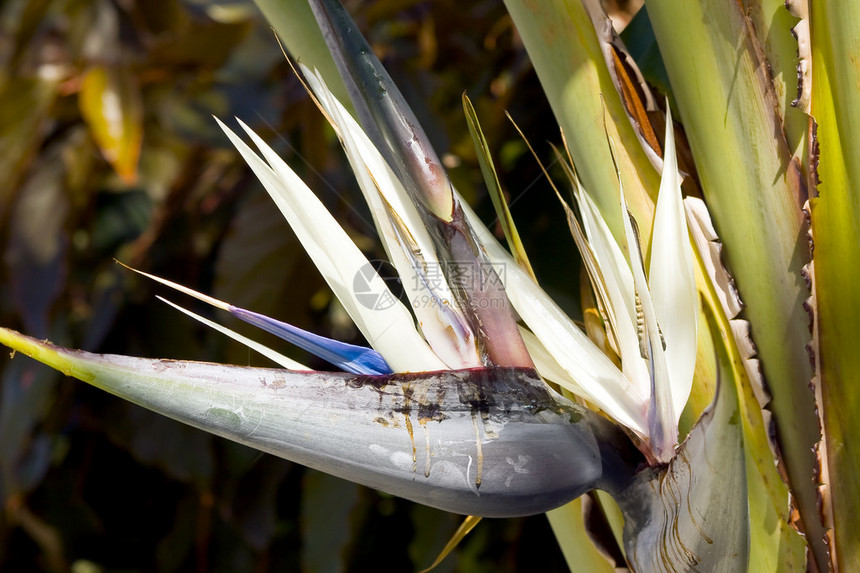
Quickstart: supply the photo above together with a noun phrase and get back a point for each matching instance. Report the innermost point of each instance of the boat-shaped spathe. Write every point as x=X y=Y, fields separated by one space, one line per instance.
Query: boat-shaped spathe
x=490 y=442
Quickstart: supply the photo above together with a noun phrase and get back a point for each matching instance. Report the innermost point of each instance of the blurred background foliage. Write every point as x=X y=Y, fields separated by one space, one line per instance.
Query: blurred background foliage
x=109 y=152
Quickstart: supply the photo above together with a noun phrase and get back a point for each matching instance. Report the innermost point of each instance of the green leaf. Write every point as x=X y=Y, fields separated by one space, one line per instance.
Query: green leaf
x=835 y=208
x=572 y=536
x=294 y=22
x=772 y=23
x=754 y=192
x=568 y=57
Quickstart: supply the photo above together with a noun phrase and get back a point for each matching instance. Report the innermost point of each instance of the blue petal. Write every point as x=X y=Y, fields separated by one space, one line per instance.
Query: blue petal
x=348 y=357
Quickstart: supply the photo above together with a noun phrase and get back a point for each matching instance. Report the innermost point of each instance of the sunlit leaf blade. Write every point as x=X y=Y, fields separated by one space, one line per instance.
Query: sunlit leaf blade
x=565 y=50
x=111 y=105
x=494 y=187
x=467 y=526
x=772 y=22
x=835 y=209
x=692 y=514
x=383 y=112
x=384 y=321
x=672 y=279
x=735 y=133
x=572 y=536
x=491 y=442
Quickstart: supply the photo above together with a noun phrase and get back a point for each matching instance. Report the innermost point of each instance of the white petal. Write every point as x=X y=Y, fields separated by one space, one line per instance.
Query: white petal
x=662 y=421
x=546 y=365
x=597 y=377
x=405 y=238
x=618 y=279
x=382 y=319
x=672 y=279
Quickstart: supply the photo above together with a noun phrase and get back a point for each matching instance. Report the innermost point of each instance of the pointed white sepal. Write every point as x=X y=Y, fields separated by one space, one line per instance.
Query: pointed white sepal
x=618 y=280
x=272 y=355
x=404 y=236
x=382 y=319
x=598 y=379
x=662 y=421
x=672 y=278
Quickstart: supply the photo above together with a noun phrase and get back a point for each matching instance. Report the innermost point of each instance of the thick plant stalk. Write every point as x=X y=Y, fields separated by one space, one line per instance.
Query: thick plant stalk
x=754 y=192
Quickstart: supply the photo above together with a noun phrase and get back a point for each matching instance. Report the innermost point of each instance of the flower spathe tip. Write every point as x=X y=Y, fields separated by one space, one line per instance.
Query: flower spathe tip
x=383 y=112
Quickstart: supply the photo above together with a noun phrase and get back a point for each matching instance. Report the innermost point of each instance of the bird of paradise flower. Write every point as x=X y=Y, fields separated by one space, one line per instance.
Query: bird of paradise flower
x=450 y=407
